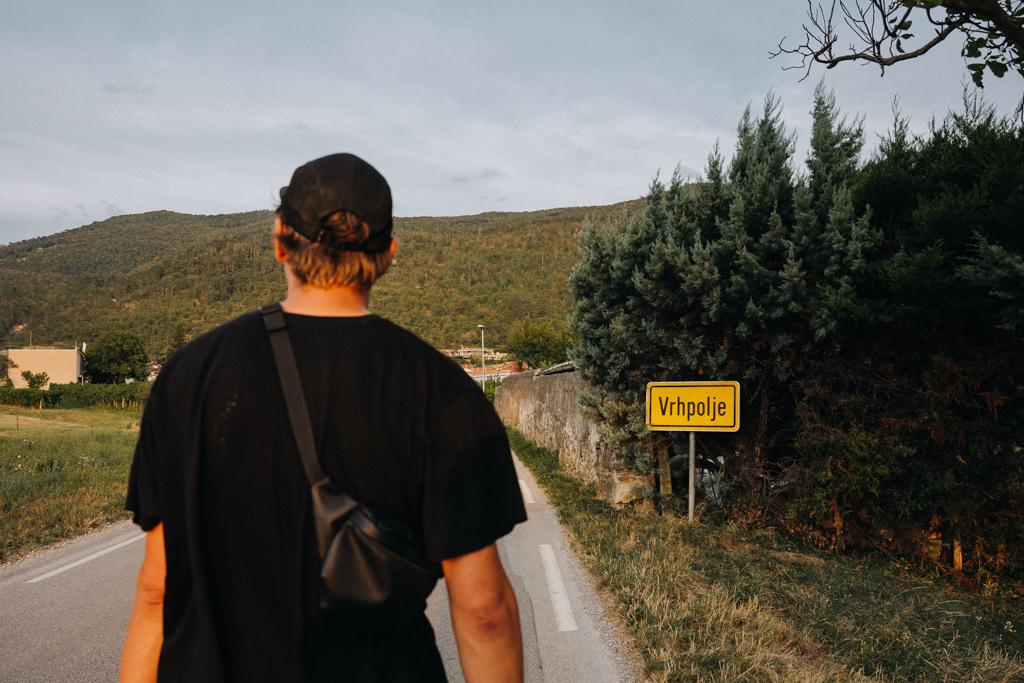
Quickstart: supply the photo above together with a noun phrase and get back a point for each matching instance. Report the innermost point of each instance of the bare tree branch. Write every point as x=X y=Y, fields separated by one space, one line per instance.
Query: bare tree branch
x=992 y=31
x=880 y=45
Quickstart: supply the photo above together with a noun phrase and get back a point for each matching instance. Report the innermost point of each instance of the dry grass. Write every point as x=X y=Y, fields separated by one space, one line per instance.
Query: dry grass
x=13 y=419
x=62 y=472
x=715 y=603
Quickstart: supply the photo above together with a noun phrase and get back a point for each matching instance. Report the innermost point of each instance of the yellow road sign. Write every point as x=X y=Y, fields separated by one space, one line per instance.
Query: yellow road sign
x=693 y=406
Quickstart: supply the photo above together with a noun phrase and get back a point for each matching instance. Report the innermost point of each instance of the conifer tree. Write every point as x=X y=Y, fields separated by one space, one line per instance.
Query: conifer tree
x=728 y=279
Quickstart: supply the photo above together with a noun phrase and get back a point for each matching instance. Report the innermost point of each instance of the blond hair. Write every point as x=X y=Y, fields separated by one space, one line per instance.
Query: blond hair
x=316 y=264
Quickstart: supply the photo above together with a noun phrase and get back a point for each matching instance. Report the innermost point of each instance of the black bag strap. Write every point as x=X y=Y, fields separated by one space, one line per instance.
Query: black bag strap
x=291 y=384
x=328 y=502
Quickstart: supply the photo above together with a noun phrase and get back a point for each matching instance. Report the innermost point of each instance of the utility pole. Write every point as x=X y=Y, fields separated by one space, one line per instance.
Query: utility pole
x=483 y=363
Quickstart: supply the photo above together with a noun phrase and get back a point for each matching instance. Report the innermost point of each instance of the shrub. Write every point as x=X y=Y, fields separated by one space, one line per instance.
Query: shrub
x=30 y=398
x=124 y=396
x=35 y=381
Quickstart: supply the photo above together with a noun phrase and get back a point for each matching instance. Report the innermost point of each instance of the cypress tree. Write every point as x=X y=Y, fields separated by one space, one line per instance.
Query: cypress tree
x=726 y=279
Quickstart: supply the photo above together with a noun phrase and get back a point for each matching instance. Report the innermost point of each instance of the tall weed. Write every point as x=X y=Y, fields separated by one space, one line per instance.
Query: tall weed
x=57 y=483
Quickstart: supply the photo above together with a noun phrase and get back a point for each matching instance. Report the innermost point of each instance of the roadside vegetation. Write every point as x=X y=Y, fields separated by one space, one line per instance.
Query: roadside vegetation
x=712 y=601
x=62 y=472
x=870 y=312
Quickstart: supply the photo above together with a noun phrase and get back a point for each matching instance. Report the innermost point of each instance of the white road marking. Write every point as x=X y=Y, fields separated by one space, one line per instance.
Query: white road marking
x=559 y=600
x=86 y=559
x=527 y=496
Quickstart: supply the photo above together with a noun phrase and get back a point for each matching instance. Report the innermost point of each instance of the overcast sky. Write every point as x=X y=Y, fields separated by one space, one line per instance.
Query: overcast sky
x=205 y=107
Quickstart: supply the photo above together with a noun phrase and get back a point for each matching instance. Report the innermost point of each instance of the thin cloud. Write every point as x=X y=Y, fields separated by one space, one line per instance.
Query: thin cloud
x=129 y=89
x=299 y=126
x=463 y=179
x=685 y=172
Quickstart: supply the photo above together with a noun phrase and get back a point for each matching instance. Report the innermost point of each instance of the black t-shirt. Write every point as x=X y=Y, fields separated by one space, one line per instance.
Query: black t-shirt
x=397 y=425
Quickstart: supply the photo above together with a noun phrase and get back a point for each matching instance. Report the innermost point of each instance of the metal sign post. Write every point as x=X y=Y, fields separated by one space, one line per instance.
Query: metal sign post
x=693 y=407
x=693 y=468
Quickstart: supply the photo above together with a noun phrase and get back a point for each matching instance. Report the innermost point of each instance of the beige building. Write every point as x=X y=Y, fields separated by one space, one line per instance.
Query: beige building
x=64 y=366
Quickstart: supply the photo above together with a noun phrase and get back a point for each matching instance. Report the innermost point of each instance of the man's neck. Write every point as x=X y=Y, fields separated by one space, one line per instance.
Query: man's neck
x=338 y=302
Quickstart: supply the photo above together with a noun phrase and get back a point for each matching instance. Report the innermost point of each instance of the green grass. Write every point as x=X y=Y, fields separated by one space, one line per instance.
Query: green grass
x=62 y=472
x=711 y=602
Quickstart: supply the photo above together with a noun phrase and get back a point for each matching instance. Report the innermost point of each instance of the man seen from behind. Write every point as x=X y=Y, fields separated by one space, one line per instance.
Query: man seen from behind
x=229 y=588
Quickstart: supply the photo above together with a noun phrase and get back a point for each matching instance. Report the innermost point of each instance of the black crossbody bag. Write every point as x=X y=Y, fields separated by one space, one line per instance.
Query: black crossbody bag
x=374 y=568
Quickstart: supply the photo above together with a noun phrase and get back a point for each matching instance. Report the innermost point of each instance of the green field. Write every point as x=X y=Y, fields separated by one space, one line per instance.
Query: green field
x=62 y=472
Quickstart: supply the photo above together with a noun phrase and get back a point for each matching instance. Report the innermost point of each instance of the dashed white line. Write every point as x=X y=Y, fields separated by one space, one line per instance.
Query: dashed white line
x=559 y=600
x=86 y=559
x=527 y=496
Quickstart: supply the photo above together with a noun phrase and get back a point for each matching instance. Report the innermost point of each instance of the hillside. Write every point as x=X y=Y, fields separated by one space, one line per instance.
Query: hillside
x=163 y=274
x=122 y=244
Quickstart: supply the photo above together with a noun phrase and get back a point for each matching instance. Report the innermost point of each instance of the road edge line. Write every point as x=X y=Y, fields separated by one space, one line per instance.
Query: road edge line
x=85 y=559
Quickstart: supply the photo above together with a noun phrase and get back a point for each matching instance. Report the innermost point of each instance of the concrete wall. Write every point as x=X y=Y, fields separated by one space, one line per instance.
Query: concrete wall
x=544 y=409
x=64 y=366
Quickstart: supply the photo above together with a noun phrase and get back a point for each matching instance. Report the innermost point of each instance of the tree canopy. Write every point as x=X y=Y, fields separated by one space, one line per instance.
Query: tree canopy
x=35 y=380
x=6 y=365
x=538 y=343
x=116 y=356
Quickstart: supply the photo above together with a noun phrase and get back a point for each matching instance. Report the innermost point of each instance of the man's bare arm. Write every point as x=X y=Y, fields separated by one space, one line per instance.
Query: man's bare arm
x=485 y=617
x=145 y=634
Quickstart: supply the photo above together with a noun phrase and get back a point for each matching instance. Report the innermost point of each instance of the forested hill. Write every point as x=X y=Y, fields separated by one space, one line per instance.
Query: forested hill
x=121 y=244
x=166 y=276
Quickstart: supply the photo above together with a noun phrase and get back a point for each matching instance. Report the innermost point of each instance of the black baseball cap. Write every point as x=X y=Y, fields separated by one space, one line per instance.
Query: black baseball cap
x=335 y=183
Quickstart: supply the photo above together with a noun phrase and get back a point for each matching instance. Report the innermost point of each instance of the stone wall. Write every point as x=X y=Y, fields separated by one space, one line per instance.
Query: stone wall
x=544 y=409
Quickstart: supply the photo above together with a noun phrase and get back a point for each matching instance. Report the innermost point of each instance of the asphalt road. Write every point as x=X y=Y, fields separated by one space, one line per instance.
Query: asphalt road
x=69 y=626
x=64 y=610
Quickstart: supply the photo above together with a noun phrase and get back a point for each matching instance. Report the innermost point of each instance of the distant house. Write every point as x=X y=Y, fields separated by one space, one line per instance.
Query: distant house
x=495 y=371
x=467 y=352
x=64 y=366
